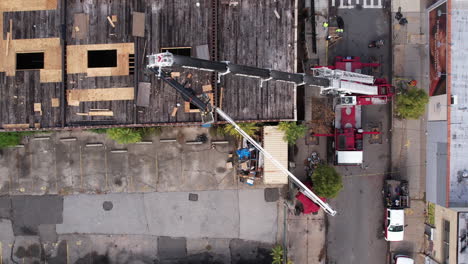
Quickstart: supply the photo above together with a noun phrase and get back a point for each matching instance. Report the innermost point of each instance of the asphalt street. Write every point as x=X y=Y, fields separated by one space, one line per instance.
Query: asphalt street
x=355 y=233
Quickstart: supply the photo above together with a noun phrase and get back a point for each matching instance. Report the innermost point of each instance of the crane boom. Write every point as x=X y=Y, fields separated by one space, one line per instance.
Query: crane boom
x=157 y=62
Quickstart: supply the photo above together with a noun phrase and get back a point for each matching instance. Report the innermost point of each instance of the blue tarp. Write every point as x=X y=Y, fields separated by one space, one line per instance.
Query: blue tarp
x=243 y=153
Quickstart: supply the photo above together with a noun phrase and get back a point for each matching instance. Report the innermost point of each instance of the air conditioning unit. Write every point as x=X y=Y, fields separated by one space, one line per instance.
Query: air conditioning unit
x=453 y=100
x=348 y=100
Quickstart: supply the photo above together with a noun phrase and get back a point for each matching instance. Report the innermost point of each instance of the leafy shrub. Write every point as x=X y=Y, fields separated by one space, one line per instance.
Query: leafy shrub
x=292 y=131
x=277 y=255
x=327 y=181
x=11 y=139
x=412 y=104
x=249 y=128
x=124 y=135
x=149 y=131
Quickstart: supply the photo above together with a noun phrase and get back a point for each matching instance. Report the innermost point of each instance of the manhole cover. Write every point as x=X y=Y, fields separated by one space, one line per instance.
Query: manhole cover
x=107 y=206
x=193 y=197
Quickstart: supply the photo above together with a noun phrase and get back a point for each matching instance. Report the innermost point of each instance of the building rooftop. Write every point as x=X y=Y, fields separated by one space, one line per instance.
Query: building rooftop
x=459 y=111
x=74 y=63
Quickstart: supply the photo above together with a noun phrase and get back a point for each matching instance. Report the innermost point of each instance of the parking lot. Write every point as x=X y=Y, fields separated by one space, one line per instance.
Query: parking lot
x=86 y=162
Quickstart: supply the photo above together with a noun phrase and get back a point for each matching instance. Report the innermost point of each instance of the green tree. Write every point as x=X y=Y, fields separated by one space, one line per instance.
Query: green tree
x=292 y=131
x=124 y=135
x=327 y=181
x=412 y=104
x=249 y=128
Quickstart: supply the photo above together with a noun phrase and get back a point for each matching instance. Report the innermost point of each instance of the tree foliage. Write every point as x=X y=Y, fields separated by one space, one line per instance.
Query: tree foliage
x=327 y=181
x=124 y=135
x=249 y=128
x=292 y=131
x=412 y=104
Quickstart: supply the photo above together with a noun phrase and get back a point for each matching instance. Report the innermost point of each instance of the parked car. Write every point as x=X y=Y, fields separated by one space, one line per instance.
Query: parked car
x=394 y=224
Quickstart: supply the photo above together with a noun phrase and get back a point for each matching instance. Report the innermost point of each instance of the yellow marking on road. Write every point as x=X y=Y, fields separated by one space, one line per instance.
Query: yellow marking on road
x=408 y=143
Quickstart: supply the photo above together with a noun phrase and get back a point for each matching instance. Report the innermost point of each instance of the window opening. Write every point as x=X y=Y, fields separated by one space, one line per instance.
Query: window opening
x=30 y=61
x=102 y=58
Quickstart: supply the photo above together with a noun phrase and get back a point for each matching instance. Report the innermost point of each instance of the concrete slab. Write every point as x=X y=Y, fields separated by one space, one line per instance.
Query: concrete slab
x=68 y=165
x=297 y=240
x=118 y=174
x=6 y=238
x=143 y=165
x=258 y=219
x=31 y=211
x=110 y=248
x=406 y=65
x=47 y=233
x=42 y=159
x=218 y=248
x=27 y=249
x=85 y=214
x=214 y=215
x=171 y=248
x=406 y=6
x=250 y=252
x=5 y=207
x=94 y=174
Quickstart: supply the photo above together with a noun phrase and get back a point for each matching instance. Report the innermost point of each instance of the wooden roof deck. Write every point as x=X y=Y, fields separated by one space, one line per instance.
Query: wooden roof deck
x=249 y=34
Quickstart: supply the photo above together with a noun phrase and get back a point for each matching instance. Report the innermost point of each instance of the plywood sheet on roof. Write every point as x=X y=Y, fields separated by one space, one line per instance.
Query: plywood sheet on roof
x=77 y=59
x=138 y=24
x=55 y=102
x=274 y=144
x=80 y=26
x=15 y=126
x=106 y=94
x=97 y=113
x=144 y=92
x=27 y=5
x=50 y=47
x=196 y=110
x=48 y=76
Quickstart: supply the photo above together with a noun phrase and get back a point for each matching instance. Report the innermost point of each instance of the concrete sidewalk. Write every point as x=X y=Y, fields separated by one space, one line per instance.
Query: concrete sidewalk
x=240 y=214
x=410 y=55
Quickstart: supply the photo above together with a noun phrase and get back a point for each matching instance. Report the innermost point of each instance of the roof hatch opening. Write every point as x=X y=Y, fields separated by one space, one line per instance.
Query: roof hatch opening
x=30 y=61
x=102 y=58
x=182 y=51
